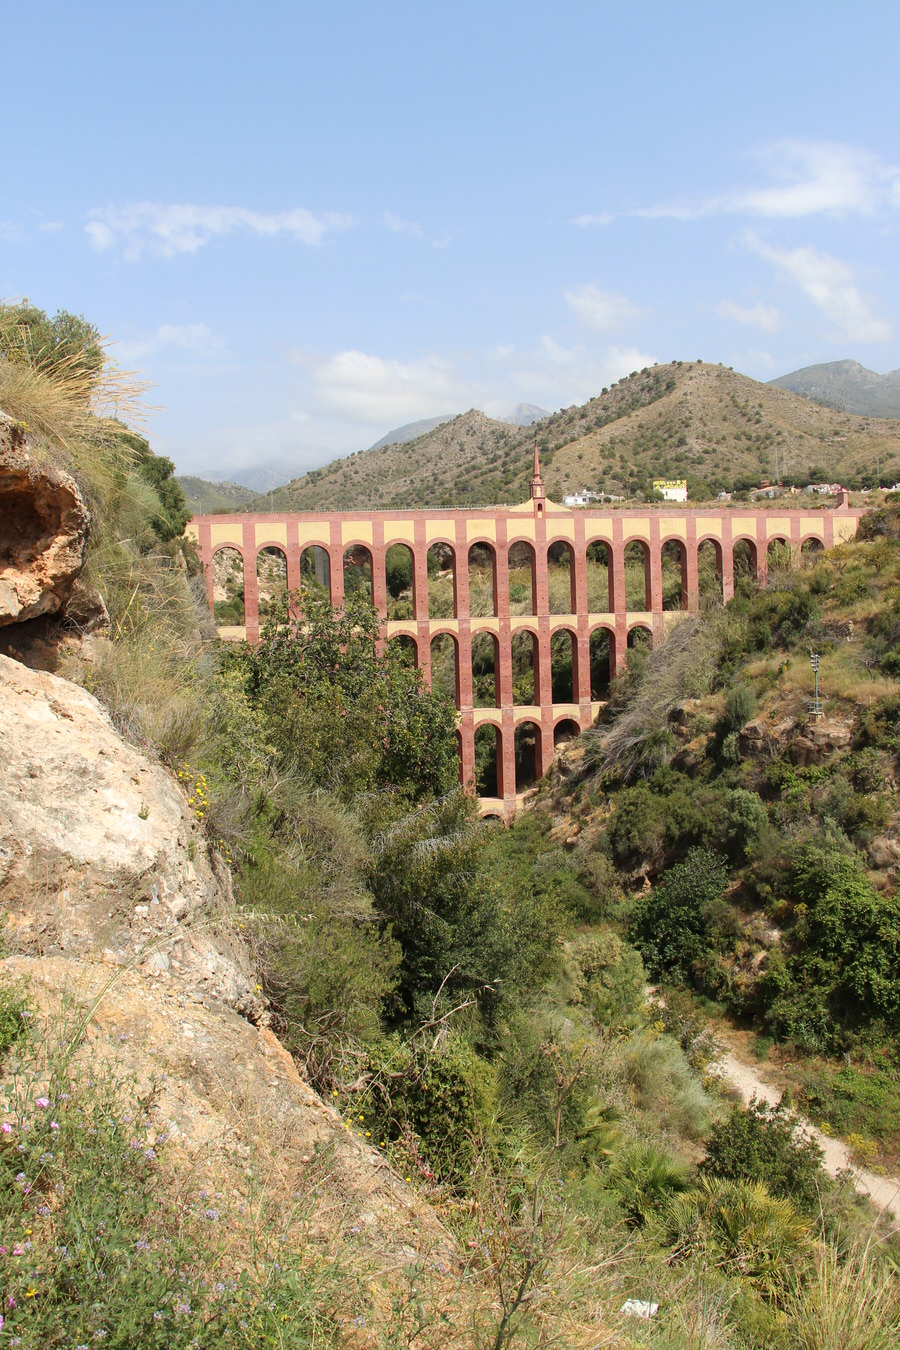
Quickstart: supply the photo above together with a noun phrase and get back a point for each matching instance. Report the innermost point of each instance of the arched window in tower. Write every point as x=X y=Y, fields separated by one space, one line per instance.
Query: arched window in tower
x=399 y=580
x=674 y=574
x=482 y=581
x=271 y=580
x=315 y=573
x=709 y=572
x=561 y=578
x=637 y=575
x=522 y=588
x=358 y=573
x=228 y=588
x=442 y=603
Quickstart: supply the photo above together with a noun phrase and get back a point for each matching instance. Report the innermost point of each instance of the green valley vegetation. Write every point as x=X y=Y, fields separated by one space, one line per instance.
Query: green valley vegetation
x=718 y=430
x=473 y=999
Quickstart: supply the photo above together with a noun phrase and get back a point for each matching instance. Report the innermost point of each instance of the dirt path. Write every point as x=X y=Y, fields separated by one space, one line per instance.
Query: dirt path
x=884 y=1192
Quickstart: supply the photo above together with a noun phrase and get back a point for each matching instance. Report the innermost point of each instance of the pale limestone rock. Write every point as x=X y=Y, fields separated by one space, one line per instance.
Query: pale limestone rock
x=119 y=923
x=99 y=849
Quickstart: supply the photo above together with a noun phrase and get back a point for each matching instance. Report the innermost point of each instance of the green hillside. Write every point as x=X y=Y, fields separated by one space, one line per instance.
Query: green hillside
x=223 y=498
x=691 y=420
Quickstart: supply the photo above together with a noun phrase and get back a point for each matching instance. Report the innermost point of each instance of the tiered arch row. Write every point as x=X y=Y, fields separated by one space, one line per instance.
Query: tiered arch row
x=530 y=609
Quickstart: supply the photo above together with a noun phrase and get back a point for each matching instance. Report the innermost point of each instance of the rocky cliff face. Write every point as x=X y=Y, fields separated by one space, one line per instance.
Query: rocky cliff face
x=122 y=922
x=43 y=531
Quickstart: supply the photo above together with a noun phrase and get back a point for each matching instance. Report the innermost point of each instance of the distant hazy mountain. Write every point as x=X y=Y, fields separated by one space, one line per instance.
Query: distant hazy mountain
x=524 y=414
x=412 y=430
x=848 y=386
x=205 y=498
x=258 y=477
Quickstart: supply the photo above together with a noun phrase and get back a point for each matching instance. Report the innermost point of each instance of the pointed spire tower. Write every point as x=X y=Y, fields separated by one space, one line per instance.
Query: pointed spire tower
x=538 y=491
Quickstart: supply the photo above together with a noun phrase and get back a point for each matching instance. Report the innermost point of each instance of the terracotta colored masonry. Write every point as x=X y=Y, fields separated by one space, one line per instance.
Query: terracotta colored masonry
x=538 y=523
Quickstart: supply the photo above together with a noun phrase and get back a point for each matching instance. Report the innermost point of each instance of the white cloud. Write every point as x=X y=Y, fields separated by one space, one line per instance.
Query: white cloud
x=398 y=226
x=810 y=178
x=556 y=354
x=371 y=390
x=554 y=376
x=600 y=309
x=761 y=316
x=820 y=177
x=621 y=361
x=603 y=218
x=16 y=232
x=830 y=284
x=194 y=338
x=169 y=229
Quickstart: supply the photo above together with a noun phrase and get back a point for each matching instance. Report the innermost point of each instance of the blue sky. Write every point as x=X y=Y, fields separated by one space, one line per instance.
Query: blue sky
x=308 y=223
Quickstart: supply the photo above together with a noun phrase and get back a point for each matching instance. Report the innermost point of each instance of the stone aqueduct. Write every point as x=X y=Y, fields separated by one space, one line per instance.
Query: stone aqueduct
x=538 y=524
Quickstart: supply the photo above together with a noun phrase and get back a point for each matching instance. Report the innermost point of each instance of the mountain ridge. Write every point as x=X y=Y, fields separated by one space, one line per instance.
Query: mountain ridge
x=705 y=423
x=847 y=386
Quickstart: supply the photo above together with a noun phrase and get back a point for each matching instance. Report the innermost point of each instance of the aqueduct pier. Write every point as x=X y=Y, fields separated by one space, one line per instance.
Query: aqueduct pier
x=541 y=531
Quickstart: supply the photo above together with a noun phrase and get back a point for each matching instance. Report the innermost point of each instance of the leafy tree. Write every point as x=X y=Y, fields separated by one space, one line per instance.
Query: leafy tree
x=612 y=977
x=458 y=925
x=843 y=951
x=350 y=717
x=740 y=707
x=670 y=925
x=398 y=569
x=158 y=471
x=67 y=342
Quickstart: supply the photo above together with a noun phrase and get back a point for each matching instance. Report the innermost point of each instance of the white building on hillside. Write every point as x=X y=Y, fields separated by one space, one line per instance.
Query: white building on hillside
x=672 y=489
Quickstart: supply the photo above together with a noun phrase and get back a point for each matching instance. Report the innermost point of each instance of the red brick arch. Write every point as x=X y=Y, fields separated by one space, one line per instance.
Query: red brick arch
x=538 y=523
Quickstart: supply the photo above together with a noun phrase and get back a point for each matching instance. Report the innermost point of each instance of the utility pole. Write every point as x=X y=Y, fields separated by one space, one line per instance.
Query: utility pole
x=815 y=707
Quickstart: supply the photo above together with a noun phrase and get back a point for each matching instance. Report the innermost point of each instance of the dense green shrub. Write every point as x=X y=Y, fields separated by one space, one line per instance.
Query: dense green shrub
x=879 y=726
x=350 y=719
x=670 y=925
x=740 y=1229
x=839 y=971
x=762 y=1143
x=644 y=1177
x=611 y=977
x=740 y=707
x=660 y=820
x=433 y=1102
x=883 y=640
x=327 y=970
x=882 y=523
x=54 y=345
x=459 y=926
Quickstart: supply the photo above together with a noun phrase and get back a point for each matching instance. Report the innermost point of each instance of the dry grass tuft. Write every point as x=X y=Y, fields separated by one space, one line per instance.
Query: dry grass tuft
x=74 y=417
